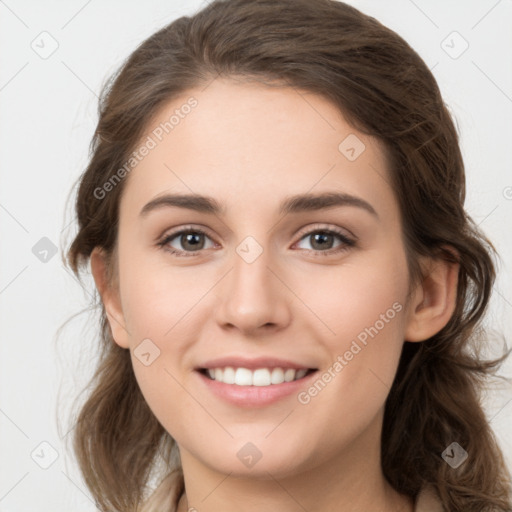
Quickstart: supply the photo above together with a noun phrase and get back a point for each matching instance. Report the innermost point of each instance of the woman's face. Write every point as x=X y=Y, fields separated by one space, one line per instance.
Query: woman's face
x=303 y=285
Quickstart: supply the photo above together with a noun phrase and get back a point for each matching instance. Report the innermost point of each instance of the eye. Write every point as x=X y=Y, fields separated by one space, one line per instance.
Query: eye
x=192 y=241
x=322 y=239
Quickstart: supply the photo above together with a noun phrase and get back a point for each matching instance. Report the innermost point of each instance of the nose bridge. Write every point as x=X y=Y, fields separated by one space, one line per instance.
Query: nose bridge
x=252 y=296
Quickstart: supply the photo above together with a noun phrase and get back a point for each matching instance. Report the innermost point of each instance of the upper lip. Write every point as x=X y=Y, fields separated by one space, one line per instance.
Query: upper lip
x=253 y=363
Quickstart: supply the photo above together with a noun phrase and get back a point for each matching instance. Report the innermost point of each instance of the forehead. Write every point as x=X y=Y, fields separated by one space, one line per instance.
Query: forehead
x=250 y=145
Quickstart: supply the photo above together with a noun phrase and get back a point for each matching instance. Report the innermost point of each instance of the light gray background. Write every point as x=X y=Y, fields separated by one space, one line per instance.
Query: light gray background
x=48 y=114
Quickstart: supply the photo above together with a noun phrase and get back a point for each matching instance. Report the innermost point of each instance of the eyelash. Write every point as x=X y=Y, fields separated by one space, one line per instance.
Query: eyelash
x=347 y=243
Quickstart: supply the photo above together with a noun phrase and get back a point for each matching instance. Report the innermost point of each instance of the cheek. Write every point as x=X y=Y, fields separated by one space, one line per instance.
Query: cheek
x=362 y=307
x=162 y=304
x=367 y=293
x=156 y=296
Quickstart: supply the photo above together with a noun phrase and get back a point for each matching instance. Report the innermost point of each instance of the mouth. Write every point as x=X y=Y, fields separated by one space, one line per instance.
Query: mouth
x=254 y=382
x=258 y=388
x=260 y=377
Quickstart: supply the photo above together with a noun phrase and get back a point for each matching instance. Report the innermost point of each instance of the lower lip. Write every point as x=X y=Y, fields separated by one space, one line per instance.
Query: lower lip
x=255 y=396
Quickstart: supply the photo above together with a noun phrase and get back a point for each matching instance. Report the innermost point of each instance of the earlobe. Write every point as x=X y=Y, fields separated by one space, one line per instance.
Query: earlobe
x=110 y=297
x=433 y=302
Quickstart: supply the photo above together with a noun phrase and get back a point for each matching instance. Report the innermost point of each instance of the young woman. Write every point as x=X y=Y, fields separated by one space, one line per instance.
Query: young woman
x=290 y=286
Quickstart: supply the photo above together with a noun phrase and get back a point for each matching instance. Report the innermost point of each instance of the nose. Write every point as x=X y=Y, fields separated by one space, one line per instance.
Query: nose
x=254 y=297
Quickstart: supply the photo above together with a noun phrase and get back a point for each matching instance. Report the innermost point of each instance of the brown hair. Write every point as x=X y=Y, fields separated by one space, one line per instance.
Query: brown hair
x=384 y=89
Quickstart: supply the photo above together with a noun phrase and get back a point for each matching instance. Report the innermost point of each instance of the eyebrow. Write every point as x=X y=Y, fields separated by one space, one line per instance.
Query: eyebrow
x=292 y=204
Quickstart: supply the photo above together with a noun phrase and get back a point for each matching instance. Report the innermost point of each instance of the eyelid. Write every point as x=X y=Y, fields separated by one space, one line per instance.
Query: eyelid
x=186 y=227
x=326 y=227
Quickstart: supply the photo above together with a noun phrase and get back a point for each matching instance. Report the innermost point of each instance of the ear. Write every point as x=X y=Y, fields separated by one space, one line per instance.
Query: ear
x=109 y=296
x=433 y=301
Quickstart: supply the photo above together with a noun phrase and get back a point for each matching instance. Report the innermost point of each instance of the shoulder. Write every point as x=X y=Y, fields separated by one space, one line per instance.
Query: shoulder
x=428 y=500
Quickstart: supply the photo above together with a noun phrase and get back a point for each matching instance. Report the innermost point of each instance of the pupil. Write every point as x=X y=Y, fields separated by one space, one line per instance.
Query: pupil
x=321 y=237
x=189 y=239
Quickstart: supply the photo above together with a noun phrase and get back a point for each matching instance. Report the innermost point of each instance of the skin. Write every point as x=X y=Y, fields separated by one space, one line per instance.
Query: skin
x=249 y=146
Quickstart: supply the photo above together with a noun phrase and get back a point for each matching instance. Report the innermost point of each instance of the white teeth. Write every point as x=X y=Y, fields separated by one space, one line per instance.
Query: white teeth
x=243 y=376
x=228 y=375
x=259 y=377
x=301 y=373
x=277 y=376
x=289 y=375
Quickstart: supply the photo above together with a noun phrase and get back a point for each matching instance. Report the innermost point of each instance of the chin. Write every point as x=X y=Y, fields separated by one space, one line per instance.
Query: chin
x=259 y=460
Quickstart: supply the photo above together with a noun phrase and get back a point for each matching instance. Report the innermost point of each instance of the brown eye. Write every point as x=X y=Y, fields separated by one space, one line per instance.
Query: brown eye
x=322 y=240
x=191 y=241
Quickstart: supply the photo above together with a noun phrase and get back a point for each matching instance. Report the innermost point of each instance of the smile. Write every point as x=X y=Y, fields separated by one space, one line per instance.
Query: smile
x=258 y=388
x=258 y=377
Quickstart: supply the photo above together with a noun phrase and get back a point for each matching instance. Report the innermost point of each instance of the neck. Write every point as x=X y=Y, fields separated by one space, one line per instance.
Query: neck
x=351 y=481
